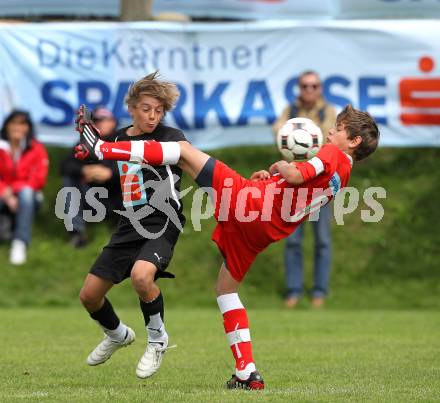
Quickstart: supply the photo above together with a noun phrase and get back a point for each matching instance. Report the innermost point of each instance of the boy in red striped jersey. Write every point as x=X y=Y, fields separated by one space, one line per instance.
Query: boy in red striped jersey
x=252 y=213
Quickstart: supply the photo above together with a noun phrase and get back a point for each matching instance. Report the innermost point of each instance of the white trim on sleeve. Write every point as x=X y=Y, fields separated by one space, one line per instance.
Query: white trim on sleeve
x=137 y=152
x=171 y=152
x=316 y=163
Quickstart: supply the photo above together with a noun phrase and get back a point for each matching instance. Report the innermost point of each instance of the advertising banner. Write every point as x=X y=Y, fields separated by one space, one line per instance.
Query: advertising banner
x=234 y=79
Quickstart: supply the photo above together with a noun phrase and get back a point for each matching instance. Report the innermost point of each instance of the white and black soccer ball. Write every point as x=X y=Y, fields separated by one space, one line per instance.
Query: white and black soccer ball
x=299 y=139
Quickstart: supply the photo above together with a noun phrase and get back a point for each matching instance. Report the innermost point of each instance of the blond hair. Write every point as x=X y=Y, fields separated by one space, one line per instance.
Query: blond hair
x=164 y=91
x=358 y=123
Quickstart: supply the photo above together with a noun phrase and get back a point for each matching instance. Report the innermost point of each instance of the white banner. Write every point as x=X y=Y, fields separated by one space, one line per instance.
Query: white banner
x=234 y=78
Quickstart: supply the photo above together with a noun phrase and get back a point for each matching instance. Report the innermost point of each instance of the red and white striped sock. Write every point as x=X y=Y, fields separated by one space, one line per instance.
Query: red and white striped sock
x=236 y=325
x=150 y=152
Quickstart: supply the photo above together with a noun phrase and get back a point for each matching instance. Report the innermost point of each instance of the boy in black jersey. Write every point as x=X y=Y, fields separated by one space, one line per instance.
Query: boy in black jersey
x=142 y=245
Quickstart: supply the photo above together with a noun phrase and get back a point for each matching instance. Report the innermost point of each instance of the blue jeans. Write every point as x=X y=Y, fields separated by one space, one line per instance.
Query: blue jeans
x=111 y=203
x=78 y=223
x=293 y=257
x=24 y=217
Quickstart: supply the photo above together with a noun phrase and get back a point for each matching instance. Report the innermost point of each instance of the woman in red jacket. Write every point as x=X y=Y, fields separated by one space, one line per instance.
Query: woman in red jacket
x=23 y=171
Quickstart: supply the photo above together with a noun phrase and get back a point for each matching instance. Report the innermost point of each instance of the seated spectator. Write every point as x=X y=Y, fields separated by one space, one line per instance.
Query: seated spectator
x=24 y=166
x=83 y=176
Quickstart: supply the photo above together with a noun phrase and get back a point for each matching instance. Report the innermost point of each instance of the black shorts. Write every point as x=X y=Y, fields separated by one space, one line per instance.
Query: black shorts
x=116 y=260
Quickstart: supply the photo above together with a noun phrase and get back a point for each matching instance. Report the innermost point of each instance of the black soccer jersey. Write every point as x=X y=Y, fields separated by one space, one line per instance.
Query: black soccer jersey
x=150 y=195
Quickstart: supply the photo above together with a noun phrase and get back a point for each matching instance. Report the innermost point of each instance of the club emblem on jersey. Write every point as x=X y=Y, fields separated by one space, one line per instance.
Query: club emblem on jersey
x=133 y=193
x=158 y=200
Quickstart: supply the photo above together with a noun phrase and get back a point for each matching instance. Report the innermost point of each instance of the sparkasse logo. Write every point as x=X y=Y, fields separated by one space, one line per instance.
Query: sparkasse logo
x=420 y=96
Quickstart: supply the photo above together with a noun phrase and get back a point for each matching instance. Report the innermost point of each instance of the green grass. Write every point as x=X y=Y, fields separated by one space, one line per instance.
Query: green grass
x=392 y=264
x=325 y=356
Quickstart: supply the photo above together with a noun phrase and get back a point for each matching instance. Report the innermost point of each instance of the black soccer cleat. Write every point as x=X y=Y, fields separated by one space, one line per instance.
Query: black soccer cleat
x=254 y=382
x=89 y=136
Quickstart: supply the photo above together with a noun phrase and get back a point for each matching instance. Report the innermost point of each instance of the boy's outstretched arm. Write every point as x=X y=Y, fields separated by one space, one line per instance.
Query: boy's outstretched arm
x=297 y=173
x=288 y=171
x=91 y=147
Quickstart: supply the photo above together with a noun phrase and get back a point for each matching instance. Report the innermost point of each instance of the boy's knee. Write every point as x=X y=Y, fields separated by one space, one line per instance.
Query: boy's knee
x=88 y=299
x=143 y=277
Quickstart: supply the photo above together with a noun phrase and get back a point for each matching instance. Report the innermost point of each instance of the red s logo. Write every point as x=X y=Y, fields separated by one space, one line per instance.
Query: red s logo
x=420 y=96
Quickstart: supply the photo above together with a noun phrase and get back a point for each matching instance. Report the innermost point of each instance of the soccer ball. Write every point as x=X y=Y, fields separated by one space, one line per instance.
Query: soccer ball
x=299 y=139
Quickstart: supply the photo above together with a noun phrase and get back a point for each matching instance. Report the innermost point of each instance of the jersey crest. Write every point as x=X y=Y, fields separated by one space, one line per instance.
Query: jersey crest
x=132 y=184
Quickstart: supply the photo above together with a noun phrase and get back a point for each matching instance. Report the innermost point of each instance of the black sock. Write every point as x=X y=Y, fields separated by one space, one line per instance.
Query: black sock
x=152 y=308
x=106 y=316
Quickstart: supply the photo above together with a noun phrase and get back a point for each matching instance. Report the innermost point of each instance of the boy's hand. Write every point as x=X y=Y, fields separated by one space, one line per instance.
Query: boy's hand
x=260 y=175
x=96 y=173
x=82 y=153
x=89 y=136
x=278 y=166
x=288 y=171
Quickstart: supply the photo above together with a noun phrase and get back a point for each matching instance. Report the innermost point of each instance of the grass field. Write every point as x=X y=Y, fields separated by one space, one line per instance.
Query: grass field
x=377 y=339
x=325 y=356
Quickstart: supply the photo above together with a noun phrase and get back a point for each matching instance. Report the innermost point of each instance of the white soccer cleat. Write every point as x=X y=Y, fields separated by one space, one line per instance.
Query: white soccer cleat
x=107 y=347
x=18 y=252
x=152 y=358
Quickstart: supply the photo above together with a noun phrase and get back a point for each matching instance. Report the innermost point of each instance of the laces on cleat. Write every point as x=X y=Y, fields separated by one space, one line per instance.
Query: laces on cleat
x=254 y=382
x=107 y=347
x=161 y=349
x=151 y=361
